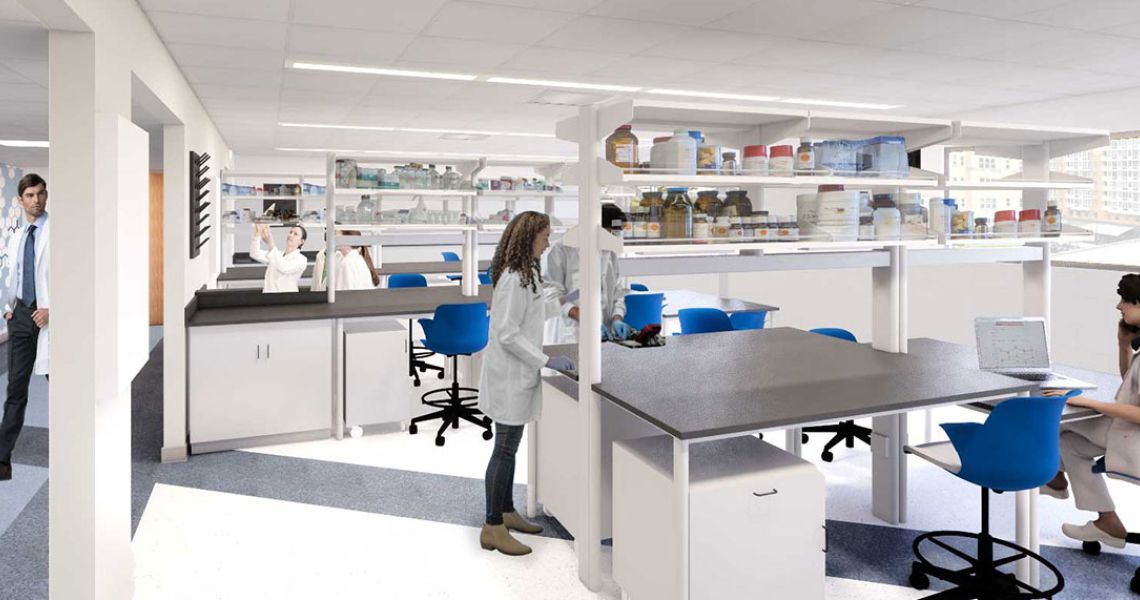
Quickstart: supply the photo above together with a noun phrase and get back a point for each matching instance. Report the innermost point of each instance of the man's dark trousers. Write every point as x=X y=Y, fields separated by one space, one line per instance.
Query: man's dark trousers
x=23 y=334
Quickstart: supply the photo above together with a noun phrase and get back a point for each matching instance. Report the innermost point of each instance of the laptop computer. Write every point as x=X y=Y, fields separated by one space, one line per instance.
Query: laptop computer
x=1019 y=347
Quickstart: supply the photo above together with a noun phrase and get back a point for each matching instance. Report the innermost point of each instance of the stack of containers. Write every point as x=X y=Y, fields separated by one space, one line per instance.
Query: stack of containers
x=836 y=214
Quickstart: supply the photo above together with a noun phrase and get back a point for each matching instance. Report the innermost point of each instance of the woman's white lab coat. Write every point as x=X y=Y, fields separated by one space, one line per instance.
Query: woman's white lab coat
x=351 y=272
x=510 y=391
x=561 y=274
x=284 y=269
x=1122 y=456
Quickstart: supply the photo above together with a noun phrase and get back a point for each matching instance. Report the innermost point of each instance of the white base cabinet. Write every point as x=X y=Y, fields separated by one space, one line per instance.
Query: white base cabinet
x=259 y=380
x=376 y=385
x=756 y=521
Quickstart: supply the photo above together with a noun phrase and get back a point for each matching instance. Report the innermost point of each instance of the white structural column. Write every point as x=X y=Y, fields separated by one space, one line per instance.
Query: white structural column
x=470 y=282
x=681 y=508
x=89 y=507
x=888 y=434
x=589 y=349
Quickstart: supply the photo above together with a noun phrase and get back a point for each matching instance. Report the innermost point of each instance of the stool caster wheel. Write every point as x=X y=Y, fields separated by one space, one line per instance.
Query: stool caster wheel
x=455 y=424
x=919 y=580
x=1091 y=548
x=803 y=438
x=440 y=376
x=416 y=383
x=439 y=440
x=759 y=436
x=487 y=435
x=487 y=421
x=423 y=369
x=356 y=431
x=412 y=429
x=827 y=456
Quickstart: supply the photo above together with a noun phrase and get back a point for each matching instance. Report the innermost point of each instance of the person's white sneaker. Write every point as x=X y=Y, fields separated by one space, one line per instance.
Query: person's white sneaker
x=1055 y=493
x=1089 y=532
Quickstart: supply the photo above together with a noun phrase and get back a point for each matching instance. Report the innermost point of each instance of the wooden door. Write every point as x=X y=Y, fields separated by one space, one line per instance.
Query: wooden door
x=156 y=249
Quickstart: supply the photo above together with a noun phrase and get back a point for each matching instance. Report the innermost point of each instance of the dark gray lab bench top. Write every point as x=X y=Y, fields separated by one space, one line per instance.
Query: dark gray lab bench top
x=960 y=355
x=253 y=273
x=364 y=303
x=437 y=267
x=734 y=382
x=675 y=300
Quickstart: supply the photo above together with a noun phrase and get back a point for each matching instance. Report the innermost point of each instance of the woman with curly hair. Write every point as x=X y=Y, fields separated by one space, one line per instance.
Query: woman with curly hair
x=510 y=390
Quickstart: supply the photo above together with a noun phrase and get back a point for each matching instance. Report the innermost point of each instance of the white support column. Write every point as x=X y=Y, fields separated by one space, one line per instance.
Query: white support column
x=1037 y=287
x=681 y=508
x=888 y=432
x=470 y=282
x=1035 y=167
x=589 y=350
x=330 y=227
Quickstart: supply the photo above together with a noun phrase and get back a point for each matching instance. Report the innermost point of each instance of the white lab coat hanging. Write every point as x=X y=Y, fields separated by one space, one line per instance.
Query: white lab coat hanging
x=43 y=299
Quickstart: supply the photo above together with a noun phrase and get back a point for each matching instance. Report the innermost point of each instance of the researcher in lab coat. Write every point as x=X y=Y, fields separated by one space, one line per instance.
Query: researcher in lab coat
x=1115 y=435
x=353 y=264
x=561 y=273
x=26 y=303
x=285 y=268
x=510 y=390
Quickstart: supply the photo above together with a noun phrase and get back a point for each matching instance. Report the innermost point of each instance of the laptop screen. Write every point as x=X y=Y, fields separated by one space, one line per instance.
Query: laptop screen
x=1012 y=344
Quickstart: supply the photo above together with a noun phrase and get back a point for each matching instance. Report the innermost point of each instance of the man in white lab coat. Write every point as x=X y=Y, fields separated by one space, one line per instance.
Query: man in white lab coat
x=25 y=298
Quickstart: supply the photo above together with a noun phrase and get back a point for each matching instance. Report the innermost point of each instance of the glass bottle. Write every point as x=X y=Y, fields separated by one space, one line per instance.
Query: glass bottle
x=1051 y=223
x=366 y=210
x=434 y=178
x=678 y=212
x=621 y=148
x=737 y=203
x=728 y=165
x=651 y=203
x=805 y=158
x=708 y=202
x=981 y=228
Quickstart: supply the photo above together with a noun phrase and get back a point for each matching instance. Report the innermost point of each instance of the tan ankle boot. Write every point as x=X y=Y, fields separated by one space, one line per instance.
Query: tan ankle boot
x=496 y=537
x=515 y=521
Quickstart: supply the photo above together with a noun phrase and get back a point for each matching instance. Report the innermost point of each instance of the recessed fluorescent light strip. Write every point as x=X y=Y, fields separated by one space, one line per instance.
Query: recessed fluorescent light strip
x=717 y=95
x=418 y=130
x=378 y=71
x=23 y=144
x=565 y=84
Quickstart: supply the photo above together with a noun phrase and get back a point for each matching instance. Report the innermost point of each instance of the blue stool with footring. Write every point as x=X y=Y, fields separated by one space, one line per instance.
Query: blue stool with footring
x=1016 y=449
x=456 y=330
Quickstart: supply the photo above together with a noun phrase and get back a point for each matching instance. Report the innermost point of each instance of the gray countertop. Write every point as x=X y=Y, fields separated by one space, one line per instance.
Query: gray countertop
x=365 y=303
x=723 y=383
x=255 y=273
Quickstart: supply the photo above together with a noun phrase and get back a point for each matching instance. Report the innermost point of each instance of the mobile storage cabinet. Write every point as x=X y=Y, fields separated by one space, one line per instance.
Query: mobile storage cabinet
x=259 y=383
x=756 y=517
x=376 y=387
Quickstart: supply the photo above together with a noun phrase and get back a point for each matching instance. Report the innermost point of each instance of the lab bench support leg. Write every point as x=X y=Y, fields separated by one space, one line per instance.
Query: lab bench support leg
x=681 y=505
x=888 y=468
x=793 y=440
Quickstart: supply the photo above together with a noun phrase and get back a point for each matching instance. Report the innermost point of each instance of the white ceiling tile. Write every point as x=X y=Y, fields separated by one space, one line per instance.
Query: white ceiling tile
x=1127 y=62
x=175 y=28
x=8 y=76
x=35 y=71
x=797 y=18
x=639 y=70
x=266 y=95
x=197 y=55
x=569 y=62
x=1129 y=29
x=418 y=89
x=264 y=10
x=991 y=8
x=12 y=10
x=480 y=95
x=625 y=37
x=680 y=12
x=1065 y=47
x=25 y=108
x=804 y=54
x=1086 y=14
x=570 y=6
x=459 y=53
x=714 y=46
x=259 y=78
x=27 y=41
x=899 y=27
x=23 y=92
x=352 y=46
x=315 y=98
x=329 y=84
x=733 y=76
x=989 y=39
x=397 y=16
x=473 y=21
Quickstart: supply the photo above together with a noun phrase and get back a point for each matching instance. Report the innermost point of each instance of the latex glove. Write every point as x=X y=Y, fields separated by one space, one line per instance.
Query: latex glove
x=606 y=335
x=561 y=363
x=571 y=296
x=622 y=330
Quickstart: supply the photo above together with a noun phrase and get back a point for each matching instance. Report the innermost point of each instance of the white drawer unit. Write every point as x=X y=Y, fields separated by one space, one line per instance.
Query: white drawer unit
x=376 y=385
x=257 y=380
x=756 y=521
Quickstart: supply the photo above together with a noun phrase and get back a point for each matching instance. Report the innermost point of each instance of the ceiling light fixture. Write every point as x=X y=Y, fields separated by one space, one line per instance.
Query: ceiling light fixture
x=420 y=130
x=867 y=105
x=717 y=95
x=437 y=155
x=564 y=84
x=23 y=144
x=379 y=71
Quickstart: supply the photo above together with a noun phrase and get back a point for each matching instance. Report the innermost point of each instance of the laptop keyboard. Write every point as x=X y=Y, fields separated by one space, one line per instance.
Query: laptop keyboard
x=1033 y=376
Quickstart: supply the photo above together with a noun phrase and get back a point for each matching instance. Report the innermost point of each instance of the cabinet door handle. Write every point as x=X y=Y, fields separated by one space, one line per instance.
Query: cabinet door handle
x=259 y=351
x=771 y=493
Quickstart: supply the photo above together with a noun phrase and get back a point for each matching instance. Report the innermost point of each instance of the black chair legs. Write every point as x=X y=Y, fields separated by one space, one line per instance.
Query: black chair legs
x=845 y=431
x=416 y=356
x=455 y=403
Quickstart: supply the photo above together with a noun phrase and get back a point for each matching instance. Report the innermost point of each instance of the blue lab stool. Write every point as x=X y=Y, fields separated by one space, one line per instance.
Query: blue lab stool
x=1093 y=548
x=748 y=319
x=638 y=287
x=416 y=354
x=643 y=309
x=485 y=277
x=1016 y=449
x=845 y=432
x=703 y=320
x=456 y=330
x=452 y=257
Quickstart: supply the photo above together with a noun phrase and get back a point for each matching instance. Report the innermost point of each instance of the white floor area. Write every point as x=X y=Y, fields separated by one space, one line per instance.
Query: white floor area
x=195 y=544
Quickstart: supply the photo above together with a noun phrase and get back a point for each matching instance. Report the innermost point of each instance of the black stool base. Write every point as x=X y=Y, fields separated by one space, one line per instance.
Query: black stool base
x=846 y=432
x=455 y=404
x=981 y=579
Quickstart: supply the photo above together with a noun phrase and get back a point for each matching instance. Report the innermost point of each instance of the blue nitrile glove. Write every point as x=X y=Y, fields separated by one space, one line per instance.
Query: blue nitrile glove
x=606 y=335
x=622 y=330
x=571 y=296
x=561 y=363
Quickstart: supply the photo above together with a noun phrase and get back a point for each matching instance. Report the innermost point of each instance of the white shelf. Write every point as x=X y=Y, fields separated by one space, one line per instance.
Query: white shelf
x=528 y=194
x=1068 y=237
x=397 y=227
x=302 y=197
x=1061 y=140
x=403 y=192
x=1057 y=181
x=611 y=175
x=729 y=248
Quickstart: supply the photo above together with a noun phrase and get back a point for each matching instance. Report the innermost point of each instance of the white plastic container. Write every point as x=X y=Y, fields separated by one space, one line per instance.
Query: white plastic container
x=807 y=208
x=888 y=220
x=914 y=216
x=756 y=160
x=836 y=214
x=940 y=216
x=680 y=153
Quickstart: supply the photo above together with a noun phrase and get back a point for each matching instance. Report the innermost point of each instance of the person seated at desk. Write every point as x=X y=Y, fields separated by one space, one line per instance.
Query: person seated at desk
x=1115 y=435
x=561 y=274
x=284 y=268
x=354 y=270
